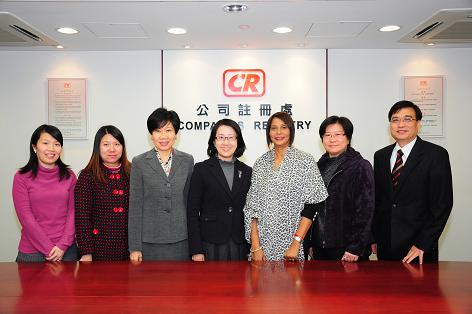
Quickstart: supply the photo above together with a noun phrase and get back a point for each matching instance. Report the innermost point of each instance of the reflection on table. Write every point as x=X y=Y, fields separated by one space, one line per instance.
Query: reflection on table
x=238 y=287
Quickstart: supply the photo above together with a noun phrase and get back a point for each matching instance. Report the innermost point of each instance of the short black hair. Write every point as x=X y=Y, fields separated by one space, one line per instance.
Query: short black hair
x=33 y=162
x=405 y=104
x=287 y=119
x=211 y=151
x=345 y=123
x=160 y=117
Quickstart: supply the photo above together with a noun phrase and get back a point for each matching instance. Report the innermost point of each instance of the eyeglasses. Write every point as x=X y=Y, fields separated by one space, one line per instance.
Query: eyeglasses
x=222 y=138
x=406 y=120
x=333 y=135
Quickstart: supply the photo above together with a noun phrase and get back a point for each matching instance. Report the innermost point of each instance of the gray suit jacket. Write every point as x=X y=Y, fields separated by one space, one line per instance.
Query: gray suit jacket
x=157 y=204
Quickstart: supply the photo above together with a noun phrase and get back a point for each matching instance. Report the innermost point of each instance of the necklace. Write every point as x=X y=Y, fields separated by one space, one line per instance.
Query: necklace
x=165 y=165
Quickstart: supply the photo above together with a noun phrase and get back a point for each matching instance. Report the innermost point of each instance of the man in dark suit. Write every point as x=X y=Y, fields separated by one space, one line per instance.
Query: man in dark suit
x=413 y=191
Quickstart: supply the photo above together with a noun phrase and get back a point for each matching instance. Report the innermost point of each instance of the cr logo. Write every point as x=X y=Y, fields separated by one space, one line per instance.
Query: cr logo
x=244 y=83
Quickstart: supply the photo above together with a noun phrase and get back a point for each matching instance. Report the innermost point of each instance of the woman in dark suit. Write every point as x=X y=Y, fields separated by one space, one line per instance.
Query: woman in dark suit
x=217 y=196
x=157 y=223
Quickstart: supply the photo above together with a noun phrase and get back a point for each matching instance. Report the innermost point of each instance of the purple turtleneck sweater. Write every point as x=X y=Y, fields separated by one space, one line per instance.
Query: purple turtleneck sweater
x=45 y=209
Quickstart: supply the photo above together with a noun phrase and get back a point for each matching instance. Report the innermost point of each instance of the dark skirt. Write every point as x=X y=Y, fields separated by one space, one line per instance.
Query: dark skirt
x=229 y=251
x=165 y=251
x=71 y=255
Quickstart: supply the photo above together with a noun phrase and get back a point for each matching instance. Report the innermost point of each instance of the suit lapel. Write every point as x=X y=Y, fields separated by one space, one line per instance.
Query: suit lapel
x=152 y=161
x=386 y=168
x=217 y=172
x=413 y=159
x=176 y=163
x=237 y=177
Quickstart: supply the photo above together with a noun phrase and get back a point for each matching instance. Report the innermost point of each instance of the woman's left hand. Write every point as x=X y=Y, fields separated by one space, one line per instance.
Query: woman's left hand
x=55 y=255
x=348 y=257
x=291 y=254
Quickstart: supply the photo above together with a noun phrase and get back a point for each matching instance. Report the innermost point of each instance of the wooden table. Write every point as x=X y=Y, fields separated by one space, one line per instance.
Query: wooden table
x=210 y=287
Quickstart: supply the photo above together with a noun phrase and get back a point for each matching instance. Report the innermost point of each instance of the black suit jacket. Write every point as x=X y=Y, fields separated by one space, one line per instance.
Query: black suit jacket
x=416 y=212
x=214 y=212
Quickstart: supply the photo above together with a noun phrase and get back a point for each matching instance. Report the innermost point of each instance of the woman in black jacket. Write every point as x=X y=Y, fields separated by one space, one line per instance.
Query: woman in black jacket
x=217 y=196
x=341 y=229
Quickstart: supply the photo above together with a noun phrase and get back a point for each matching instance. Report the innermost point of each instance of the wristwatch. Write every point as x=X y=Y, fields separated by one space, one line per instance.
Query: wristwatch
x=298 y=238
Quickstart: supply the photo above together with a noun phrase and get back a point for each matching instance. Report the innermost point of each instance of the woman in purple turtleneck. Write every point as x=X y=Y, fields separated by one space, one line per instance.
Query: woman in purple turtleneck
x=43 y=194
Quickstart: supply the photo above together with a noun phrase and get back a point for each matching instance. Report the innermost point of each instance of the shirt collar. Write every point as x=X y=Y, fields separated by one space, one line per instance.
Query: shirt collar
x=405 y=149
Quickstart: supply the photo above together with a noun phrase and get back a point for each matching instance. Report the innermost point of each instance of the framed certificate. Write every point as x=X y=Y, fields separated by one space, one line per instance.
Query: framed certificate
x=67 y=106
x=427 y=93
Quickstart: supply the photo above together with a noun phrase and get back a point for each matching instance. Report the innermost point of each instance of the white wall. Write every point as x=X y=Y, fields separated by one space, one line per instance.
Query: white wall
x=123 y=89
x=364 y=84
x=296 y=77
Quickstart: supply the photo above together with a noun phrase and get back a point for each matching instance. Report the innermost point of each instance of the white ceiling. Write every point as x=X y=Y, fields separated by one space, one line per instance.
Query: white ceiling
x=110 y=25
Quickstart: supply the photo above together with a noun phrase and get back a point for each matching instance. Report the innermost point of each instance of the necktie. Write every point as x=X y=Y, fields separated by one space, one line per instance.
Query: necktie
x=397 y=167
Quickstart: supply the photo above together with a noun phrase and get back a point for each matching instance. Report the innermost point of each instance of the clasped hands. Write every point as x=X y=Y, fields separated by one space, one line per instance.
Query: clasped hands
x=55 y=255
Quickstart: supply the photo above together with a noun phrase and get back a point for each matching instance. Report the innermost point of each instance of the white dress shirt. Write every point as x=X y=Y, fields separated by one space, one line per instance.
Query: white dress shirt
x=406 y=152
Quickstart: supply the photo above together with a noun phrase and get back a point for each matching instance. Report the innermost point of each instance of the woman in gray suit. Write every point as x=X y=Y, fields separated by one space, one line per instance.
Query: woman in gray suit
x=160 y=178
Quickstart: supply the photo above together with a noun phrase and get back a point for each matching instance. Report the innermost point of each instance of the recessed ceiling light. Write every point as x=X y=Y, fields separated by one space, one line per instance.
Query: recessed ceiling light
x=244 y=45
x=389 y=28
x=177 y=31
x=235 y=8
x=186 y=46
x=282 y=30
x=430 y=44
x=67 y=30
x=59 y=47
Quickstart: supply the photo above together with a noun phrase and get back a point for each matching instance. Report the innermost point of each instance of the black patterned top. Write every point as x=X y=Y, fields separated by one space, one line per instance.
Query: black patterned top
x=101 y=215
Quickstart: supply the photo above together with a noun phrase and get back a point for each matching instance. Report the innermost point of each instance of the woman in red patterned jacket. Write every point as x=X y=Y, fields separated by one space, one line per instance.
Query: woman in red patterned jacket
x=101 y=199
